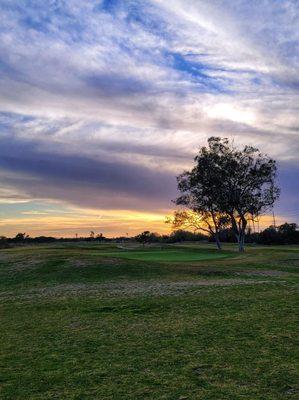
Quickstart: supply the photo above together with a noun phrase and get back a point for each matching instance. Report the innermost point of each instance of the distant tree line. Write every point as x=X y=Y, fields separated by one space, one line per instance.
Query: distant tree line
x=143 y=238
x=176 y=236
x=24 y=238
x=286 y=233
x=283 y=234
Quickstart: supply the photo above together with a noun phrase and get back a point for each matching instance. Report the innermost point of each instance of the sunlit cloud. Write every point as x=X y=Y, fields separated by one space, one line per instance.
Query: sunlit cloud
x=231 y=112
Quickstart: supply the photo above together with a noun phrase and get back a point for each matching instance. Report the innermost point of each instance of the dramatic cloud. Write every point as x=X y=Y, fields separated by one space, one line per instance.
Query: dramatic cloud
x=103 y=102
x=84 y=181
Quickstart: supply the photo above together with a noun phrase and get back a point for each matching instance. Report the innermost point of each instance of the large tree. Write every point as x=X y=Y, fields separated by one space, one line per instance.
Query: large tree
x=226 y=181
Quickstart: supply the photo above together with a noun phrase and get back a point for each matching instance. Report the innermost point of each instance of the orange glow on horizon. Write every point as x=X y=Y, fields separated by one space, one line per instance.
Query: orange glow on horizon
x=109 y=222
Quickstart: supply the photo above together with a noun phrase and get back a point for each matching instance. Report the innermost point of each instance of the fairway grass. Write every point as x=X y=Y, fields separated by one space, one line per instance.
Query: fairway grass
x=85 y=322
x=170 y=254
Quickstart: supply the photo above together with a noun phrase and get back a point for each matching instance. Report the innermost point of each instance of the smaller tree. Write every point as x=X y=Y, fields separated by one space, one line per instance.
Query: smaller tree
x=289 y=233
x=199 y=221
x=147 y=237
x=100 y=237
x=287 y=229
x=3 y=241
x=20 y=237
x=180 y=235
x=270 y=235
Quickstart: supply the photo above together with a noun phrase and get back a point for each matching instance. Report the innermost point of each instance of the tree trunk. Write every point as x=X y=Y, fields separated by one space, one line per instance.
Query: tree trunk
x=215 y=232
x=236 y=230
x=241 y=243
x=239 y=231
x=243 y=233
x=218 y=244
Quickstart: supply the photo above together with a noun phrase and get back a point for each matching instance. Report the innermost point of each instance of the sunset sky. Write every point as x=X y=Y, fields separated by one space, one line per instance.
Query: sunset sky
x=103 y=103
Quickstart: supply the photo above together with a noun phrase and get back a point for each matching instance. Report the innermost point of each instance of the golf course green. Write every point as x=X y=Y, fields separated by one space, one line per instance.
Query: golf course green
x=169 y=254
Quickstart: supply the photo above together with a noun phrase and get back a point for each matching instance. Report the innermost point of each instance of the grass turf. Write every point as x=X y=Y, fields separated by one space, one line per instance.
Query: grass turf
x=168 y=254
x=67 y=333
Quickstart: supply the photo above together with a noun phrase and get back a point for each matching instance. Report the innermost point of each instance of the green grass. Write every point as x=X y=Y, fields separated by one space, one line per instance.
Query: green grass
x=170 y=254
x=98 y=322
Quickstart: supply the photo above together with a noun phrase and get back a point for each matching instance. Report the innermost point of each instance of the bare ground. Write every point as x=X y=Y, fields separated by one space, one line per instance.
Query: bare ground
x=132 y=288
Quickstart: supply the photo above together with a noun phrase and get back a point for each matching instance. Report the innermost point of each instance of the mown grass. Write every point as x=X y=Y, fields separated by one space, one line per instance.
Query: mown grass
x=65 y=334
x=168 y=254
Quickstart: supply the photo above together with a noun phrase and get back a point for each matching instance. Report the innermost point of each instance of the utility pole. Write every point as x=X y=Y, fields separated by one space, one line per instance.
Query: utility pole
x=253 y=225
x=274 y=221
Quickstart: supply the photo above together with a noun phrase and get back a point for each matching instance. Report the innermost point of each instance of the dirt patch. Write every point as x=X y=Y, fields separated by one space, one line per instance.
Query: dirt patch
x=17 y=265
x=270 y=272
x=8 y=257
x=161 y=288
x=79 y=263
x=134 y=288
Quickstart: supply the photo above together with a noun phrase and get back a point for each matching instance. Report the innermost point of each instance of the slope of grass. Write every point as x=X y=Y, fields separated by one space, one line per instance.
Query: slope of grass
x=74 y=326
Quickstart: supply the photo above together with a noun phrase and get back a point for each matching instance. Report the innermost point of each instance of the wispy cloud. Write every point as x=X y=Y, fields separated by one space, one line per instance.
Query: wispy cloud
x=103 y=102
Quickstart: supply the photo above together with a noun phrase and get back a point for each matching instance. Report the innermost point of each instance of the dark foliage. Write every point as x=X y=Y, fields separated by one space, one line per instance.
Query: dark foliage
x=284 y=234
x=227 y=182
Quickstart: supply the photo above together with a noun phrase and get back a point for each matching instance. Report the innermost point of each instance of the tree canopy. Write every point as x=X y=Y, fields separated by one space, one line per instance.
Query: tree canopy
x=229 y=183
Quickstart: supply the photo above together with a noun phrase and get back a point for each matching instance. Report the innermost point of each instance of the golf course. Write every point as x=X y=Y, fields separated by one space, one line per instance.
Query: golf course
x=108 y=321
